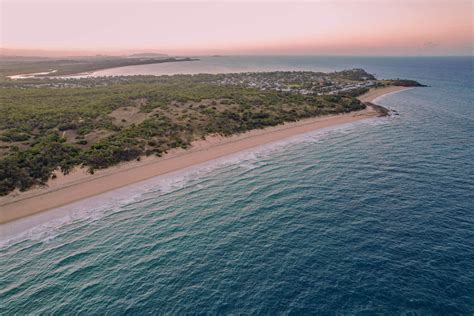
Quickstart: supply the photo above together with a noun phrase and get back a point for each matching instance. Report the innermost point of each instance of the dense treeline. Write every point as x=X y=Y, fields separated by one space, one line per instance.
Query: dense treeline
x=47 y=129
x=404 y=83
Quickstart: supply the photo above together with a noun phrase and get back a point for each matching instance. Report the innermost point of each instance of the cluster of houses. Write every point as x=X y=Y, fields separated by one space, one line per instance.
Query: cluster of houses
x=302 y=82
x=297 y=82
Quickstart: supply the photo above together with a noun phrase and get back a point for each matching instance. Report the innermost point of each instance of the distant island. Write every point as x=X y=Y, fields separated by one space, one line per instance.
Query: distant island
x=147 y=55
x=57 y=124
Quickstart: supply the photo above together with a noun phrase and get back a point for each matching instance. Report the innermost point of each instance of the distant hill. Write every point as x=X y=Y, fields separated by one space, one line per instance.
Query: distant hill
x=147 y=55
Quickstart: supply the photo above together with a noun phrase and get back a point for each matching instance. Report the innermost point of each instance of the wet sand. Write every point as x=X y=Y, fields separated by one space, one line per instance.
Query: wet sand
x=79 y=184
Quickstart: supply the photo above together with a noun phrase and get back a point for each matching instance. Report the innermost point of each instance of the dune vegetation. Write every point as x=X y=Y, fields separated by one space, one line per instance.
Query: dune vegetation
x=49 y=125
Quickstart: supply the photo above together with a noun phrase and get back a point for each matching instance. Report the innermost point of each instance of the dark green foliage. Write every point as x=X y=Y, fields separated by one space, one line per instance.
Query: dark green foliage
x=13 y=136
x=22 y=169
x=405 y=83
x=179 y=109
x=354 y=74
x=355 y=92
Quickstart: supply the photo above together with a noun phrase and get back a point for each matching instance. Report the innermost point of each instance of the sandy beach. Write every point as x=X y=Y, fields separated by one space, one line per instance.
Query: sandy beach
x=79 y=184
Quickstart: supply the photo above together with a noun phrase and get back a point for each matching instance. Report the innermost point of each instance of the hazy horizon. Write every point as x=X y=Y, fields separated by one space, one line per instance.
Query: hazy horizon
x=343 y=27
x=79 y=54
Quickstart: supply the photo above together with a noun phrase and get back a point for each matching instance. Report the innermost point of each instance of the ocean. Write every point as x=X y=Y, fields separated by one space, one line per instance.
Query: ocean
x=373 y=217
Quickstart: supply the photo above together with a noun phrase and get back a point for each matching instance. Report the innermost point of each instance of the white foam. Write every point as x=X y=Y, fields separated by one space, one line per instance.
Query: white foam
x=377 y=99
x=43 y=225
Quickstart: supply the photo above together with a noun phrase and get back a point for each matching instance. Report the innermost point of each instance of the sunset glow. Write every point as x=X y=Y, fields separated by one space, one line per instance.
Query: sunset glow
x=321 y=27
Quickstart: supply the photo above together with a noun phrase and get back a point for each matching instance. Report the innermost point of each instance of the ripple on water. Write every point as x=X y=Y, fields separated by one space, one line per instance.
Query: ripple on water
x=372 y=217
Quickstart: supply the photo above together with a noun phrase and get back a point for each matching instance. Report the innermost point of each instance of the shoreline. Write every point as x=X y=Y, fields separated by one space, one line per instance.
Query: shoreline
x=80 y=185
x=86 y=73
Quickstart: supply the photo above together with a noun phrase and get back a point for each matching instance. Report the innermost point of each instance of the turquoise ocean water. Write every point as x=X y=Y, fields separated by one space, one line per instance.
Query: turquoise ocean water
x=374 y=217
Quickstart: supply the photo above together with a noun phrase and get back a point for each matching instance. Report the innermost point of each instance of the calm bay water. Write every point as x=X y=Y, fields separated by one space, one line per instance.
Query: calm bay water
x=372 y=217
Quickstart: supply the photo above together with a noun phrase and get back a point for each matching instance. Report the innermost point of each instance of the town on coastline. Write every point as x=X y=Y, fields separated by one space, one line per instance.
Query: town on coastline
x=55 y=124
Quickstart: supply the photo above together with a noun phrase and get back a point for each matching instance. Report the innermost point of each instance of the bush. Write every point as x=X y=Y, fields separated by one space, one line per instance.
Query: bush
x=66 y=126
x=14 y=137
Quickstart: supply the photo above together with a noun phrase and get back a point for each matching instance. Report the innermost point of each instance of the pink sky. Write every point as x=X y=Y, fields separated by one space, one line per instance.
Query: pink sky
x=344 y=27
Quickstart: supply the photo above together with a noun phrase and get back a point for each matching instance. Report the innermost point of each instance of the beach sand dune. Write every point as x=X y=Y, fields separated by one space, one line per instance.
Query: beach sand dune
x=79 y=184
